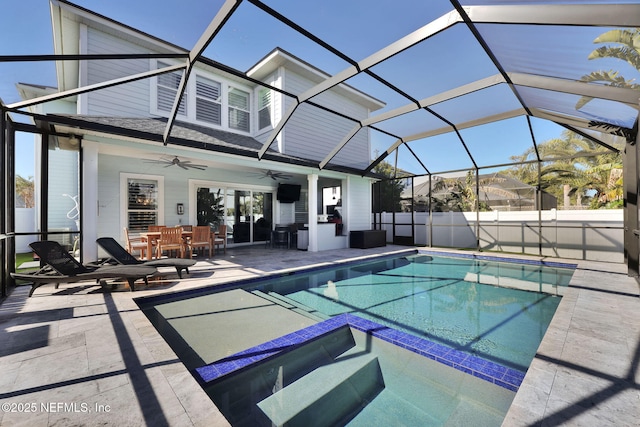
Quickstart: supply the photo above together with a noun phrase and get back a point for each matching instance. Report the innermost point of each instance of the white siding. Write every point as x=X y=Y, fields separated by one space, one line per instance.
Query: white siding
x=63 y=179
x=109 y=195
x=129 y=100
x=357 y=153
x=359 y=203
x=277 y=105
x=312 y=133
x=176 y=190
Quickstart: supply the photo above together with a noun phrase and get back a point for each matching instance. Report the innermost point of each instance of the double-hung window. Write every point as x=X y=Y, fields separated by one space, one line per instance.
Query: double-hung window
x=142 y=201
x=208 y=101
x=239 y=115
x=264 y=108
x=168 y=84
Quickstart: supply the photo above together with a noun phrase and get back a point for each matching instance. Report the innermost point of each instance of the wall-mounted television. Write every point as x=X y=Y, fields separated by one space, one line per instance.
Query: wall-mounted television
x=288 y=193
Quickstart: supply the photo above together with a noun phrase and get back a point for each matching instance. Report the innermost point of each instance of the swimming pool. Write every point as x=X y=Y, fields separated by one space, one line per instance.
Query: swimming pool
x=445 y=309
x=461 y=302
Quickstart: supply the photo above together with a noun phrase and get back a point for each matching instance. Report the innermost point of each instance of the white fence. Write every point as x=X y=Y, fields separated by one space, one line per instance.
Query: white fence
x=595 y=235
x=25 y=223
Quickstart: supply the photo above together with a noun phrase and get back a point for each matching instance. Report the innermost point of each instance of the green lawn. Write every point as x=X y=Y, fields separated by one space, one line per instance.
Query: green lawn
x=26 y=257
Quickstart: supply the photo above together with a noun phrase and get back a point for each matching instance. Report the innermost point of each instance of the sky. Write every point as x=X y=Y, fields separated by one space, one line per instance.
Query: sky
x=250 y=34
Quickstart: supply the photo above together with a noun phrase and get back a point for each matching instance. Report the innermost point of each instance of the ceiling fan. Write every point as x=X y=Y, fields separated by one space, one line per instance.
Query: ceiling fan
x=273 y=175
x=184 y=164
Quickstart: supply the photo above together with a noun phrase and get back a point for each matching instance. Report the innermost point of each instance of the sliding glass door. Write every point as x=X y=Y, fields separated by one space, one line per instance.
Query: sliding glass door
x=247 y=213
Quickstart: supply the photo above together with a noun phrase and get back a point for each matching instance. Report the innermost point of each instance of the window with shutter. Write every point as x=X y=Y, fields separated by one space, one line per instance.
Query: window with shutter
x=239 y=116
x=264 y=108
x=142 y=204
x=168 y=89
x=208 y=101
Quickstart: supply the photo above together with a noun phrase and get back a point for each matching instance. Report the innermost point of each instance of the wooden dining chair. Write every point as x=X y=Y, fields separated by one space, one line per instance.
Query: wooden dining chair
x=156 y=228
x=201 y=239
x=133 y=244
x=171 y=240
x=221 y=238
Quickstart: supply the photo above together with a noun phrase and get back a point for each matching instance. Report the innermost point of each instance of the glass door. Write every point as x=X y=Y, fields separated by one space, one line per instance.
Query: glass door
x=262 y=208
x=248 y=214
x=210 y=206
x=239 y=215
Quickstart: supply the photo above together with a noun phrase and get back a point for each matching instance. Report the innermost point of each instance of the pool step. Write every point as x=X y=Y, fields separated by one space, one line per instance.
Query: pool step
x=388 y=408
x=292 y=305
x=327 y=394
x=272 y=299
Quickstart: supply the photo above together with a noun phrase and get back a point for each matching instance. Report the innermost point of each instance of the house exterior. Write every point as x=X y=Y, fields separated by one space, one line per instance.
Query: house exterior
x=497 y=192
x=126 y=177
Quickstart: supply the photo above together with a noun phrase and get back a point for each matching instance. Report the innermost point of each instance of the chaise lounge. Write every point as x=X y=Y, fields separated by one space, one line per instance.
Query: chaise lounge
x=120 y=256
x=61 y=267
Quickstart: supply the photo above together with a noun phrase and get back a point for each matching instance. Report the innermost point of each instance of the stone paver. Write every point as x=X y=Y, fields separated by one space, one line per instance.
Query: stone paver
x=83 y=355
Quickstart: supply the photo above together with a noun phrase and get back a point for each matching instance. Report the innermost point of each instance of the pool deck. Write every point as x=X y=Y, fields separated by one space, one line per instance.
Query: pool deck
x=82 y=355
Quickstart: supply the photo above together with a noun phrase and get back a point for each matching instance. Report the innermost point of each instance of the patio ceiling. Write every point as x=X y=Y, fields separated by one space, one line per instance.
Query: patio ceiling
x=465 y=85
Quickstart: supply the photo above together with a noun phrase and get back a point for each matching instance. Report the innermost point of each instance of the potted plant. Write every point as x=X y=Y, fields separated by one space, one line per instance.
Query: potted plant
x=210 y=208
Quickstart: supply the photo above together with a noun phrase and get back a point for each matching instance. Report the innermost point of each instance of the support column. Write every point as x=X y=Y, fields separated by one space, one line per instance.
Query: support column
x=631 y=227
x=313 y=212
x=345 y=190
x=89 y=201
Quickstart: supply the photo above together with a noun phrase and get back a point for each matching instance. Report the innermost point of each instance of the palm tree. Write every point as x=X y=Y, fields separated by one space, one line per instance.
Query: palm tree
x=388 y=198
x=25 y=190
x=570 y=160
x=626 y=48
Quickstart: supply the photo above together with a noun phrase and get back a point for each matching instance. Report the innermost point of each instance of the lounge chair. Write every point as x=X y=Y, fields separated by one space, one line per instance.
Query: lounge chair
x=120 y=255
x=63 y=268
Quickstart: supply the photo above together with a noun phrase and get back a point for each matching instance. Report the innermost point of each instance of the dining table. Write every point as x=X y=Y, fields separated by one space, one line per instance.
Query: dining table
x=151 y=237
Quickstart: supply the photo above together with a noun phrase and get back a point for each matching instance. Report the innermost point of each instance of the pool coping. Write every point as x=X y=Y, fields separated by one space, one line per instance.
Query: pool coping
x=492 y=372
x=501 y=259
x=242 y=283
x=500 y=375
x=146 y=301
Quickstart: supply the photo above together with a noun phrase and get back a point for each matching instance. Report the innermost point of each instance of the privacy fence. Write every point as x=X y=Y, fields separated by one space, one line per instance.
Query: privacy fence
x=595 y=235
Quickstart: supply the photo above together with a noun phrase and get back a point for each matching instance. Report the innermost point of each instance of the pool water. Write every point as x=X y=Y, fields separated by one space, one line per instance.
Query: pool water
x=346 y=377
x=430 y=340
x=452 y=301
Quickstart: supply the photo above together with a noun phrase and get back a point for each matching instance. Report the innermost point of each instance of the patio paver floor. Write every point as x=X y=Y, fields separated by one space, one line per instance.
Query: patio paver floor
x=86 y=356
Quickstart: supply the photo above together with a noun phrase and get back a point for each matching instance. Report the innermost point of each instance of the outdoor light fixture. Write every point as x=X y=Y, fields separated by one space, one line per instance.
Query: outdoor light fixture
x=180 y=208
x=73 y=140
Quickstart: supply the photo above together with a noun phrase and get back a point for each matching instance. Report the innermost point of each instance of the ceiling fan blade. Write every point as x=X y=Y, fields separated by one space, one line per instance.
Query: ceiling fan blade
x=182 y=166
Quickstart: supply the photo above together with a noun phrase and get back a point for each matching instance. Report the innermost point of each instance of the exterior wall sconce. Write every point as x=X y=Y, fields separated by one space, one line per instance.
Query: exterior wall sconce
x=180 y=208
